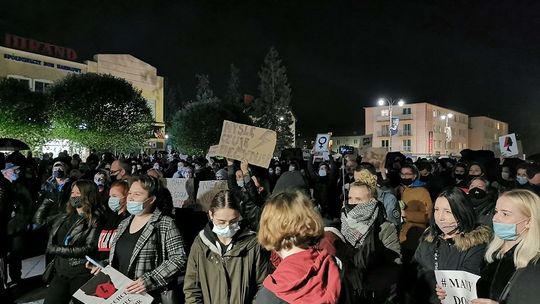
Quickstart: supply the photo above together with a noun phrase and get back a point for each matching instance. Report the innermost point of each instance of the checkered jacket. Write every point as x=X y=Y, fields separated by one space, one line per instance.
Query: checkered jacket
x=159 y=256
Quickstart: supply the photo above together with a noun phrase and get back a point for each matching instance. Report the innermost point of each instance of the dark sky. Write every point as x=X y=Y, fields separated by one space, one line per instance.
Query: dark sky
x=477 y=57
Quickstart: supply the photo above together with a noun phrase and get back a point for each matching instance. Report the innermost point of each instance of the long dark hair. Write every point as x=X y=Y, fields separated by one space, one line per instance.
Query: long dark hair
x=461 y=209
x=224 y=199
x=155 y=188
x=89 y=199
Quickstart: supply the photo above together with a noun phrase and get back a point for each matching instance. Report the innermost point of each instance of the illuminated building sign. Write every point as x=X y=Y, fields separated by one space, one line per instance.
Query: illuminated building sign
x=34 y=46
x=42 y=63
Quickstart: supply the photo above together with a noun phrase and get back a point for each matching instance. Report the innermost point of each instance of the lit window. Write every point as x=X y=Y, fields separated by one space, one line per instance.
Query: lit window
x=385 y=113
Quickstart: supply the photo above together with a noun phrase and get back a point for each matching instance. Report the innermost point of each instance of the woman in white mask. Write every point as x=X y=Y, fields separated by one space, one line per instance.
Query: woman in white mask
x=453 y=241
x=226 y=264
x=147 y=247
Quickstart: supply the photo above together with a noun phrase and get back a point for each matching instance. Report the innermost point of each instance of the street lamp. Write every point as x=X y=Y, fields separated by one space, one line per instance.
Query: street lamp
x=391 y=102
x=447 y=130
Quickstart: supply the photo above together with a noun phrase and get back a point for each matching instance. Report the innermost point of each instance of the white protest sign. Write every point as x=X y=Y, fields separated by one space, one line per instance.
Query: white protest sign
x=508 y=145
x=108 y=287
x=460 y=286
x=207 y=190
x=181 y=190
x=244 y=142
x=321 y=143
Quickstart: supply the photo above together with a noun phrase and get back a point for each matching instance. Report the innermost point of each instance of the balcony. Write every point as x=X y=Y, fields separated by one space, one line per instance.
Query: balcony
x=382 y=134
x=405 y=133
x=399 y=115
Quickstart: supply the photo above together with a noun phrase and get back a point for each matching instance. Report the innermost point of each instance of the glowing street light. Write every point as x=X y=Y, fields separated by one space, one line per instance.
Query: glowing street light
x=391 y=103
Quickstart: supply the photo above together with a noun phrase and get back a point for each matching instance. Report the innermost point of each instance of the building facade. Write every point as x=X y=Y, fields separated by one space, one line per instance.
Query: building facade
x=41 y=70
x=423 y=129
x=484 y=133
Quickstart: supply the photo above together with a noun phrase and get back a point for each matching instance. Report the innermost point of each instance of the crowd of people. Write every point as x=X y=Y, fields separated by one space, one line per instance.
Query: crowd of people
x=317 y=230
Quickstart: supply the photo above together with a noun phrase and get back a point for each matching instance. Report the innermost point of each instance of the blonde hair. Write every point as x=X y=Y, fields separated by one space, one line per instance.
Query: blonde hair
x=368 y=180
x=528 y=249
x=289 y=219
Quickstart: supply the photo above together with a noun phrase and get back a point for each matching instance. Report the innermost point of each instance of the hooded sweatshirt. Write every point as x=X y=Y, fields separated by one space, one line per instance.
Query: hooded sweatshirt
x=310 y=276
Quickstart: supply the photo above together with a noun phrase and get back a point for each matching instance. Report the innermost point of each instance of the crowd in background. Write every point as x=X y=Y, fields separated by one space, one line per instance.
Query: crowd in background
x=319 y=230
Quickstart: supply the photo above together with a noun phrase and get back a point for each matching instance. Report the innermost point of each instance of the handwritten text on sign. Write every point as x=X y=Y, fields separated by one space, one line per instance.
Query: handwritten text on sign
x=460 y=286
x=243 y=142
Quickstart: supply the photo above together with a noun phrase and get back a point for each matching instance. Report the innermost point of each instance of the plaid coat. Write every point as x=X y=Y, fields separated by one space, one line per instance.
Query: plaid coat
x=159 y=256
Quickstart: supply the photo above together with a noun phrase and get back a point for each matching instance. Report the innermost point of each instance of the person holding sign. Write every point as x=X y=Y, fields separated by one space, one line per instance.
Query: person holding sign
x=147 y=247
x=453 y=241
x=512 y=274
x=226 y=264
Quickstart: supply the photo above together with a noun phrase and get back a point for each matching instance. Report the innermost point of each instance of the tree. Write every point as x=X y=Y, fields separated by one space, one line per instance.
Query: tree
x=204 y=92
x=24 y=113
x=174 y=100
x=272 y=108
x=100 y=111
x=198 y=126
x=232 y=93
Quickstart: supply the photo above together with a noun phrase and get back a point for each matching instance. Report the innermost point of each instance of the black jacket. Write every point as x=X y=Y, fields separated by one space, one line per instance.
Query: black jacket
x=251 y=202
x=84 y=235
x=463 y=252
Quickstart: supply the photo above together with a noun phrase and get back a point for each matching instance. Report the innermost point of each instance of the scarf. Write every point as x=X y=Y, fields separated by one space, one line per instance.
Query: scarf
x=356 y=223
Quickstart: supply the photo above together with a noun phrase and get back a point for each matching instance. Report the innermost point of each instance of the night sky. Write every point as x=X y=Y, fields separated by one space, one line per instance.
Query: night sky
x=477 y=57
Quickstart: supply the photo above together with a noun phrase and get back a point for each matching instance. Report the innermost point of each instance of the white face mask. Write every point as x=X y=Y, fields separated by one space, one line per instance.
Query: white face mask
x=240 y=183
x=226 y=232
x=505 y=175
x=322 y=172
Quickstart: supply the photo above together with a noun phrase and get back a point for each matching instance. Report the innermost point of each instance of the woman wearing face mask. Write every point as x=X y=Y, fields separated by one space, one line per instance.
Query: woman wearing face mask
x=521 y=175
x=476 y=170
x=453 y=241
x=243 y=188
x=114 y=214
x=483 y=199
x=512 y=272
x=460 y=175
x=376 y=252
x=306 y=274
x=323 y=181
x=226 y=264
x=147 y=247
x=73 y=235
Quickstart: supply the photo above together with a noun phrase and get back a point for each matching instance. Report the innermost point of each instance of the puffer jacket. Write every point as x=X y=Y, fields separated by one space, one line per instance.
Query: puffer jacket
x=84 y=235
x=463 y=252
x=231 y=278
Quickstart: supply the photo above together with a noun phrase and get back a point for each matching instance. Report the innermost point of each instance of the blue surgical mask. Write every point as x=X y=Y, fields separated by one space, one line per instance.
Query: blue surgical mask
x=134 y=207
x=14 y=176
x=240 y=183
x=507 y=232
x=522 y=180
x=226 y=232
x=114 y=203
x=322 y=172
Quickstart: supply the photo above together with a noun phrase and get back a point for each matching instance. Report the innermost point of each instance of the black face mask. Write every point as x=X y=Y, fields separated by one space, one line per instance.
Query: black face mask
x=75 y=201
x=406 y=181
x=459 y=175
x=58 y=174
x=424 y=178
x=477 y=193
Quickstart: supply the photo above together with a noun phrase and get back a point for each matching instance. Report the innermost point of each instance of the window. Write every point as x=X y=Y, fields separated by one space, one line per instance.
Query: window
x=406 y=111
x=407 y=145
x=385 y=112
x=41 y=85
x=355 y=141
x=25 y=80
x=384 y=130
x=338 y=142
x=434 y=113
x=384 y=143
x=152 y=106
x=407 y=129
x=498 y=126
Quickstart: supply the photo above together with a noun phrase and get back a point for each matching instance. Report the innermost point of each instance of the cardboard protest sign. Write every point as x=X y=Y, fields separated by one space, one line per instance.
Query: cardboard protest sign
x=207 y=190
x=181 y=191
x=460 y=286
x=212 y=151
x=375 y=156
x=366 y=142
x=321 y=143
x=244 y=142
x=108 y=287
x=508 y=145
